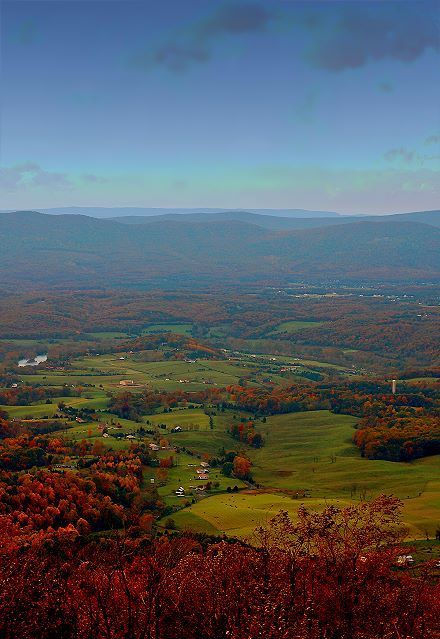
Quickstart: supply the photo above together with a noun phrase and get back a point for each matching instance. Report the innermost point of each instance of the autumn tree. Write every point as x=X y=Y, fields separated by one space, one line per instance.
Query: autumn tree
x=242 y=467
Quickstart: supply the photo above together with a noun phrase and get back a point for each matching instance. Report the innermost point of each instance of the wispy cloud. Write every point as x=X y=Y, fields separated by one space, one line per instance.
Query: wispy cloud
x=386 y=87
x=432 y=139
x=193 y=45
x=363 y=33
x=31 y=175
x=347 y=37
x=304 y=110
x=236 y=18
x=175 y=57
x=26 y=33
x=91 y=178
x=408 y=156
x=400 y=153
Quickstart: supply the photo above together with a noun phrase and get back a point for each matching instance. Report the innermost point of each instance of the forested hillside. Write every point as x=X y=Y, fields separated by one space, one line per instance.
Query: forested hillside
x=41 y=249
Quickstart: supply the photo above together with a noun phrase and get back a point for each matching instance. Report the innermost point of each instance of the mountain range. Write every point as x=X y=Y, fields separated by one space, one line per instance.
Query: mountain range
x=132 y=211
x=274 y=222
x=199 y=249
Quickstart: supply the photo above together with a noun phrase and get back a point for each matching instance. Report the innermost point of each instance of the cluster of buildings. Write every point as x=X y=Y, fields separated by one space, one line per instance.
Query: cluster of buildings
x=126 y=382
x=202 y=474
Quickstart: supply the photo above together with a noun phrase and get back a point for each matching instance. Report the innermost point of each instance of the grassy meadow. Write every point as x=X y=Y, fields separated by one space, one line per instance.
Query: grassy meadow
x=313 y=452
x=239 y=514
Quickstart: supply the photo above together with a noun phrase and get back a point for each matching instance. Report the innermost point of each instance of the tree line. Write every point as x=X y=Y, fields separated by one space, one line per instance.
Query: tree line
x=328 y=575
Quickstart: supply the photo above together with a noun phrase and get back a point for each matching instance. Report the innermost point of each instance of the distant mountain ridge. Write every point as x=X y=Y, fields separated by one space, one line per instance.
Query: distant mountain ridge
x=275 y=219
x=282 y=223
x=77 y=250
x=120 y=212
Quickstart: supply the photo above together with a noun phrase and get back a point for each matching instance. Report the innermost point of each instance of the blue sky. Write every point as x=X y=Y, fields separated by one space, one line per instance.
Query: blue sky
x=276 y=103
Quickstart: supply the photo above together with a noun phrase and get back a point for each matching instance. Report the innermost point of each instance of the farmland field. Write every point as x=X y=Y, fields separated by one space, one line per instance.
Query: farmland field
x=310 y=453
x=109 y=370
x=239 y=514
x=182 y=329
x=168 y=375
x=313 y=451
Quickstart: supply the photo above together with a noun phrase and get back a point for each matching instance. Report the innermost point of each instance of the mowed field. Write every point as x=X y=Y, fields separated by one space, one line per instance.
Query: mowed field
x=313 y=452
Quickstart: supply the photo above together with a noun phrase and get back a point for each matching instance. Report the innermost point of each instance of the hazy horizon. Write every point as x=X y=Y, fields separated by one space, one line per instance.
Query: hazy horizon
x=130 y=210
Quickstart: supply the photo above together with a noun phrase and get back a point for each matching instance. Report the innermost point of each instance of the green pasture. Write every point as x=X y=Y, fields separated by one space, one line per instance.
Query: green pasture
x=104 y=335
x=108 y=370
x=182 y=328
x=295 y=326
x=203 y=440
x=255 y=348
x=35 y=344
x=422 y=513
x=208 y=442
x=196 y=434
x=81 y=431
x=183 y=474
x=165 y=375
x=187 y=519
x=238 y=514
x=75 y=376
x=220 y=330
x=187 y=418
x=313 y=451
x=36 y=411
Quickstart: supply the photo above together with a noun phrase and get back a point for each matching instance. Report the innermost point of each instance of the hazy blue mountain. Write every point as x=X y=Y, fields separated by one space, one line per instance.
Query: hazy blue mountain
x=77 y=250
x=265 y=221
x=113 y=212
x=426 y=217
x=280 y=223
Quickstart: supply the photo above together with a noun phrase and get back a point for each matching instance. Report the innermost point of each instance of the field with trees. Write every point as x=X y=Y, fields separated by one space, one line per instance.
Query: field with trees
x=275 y=430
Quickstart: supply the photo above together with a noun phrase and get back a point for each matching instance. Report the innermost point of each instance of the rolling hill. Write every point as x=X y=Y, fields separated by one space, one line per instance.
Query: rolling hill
x=197 y=252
